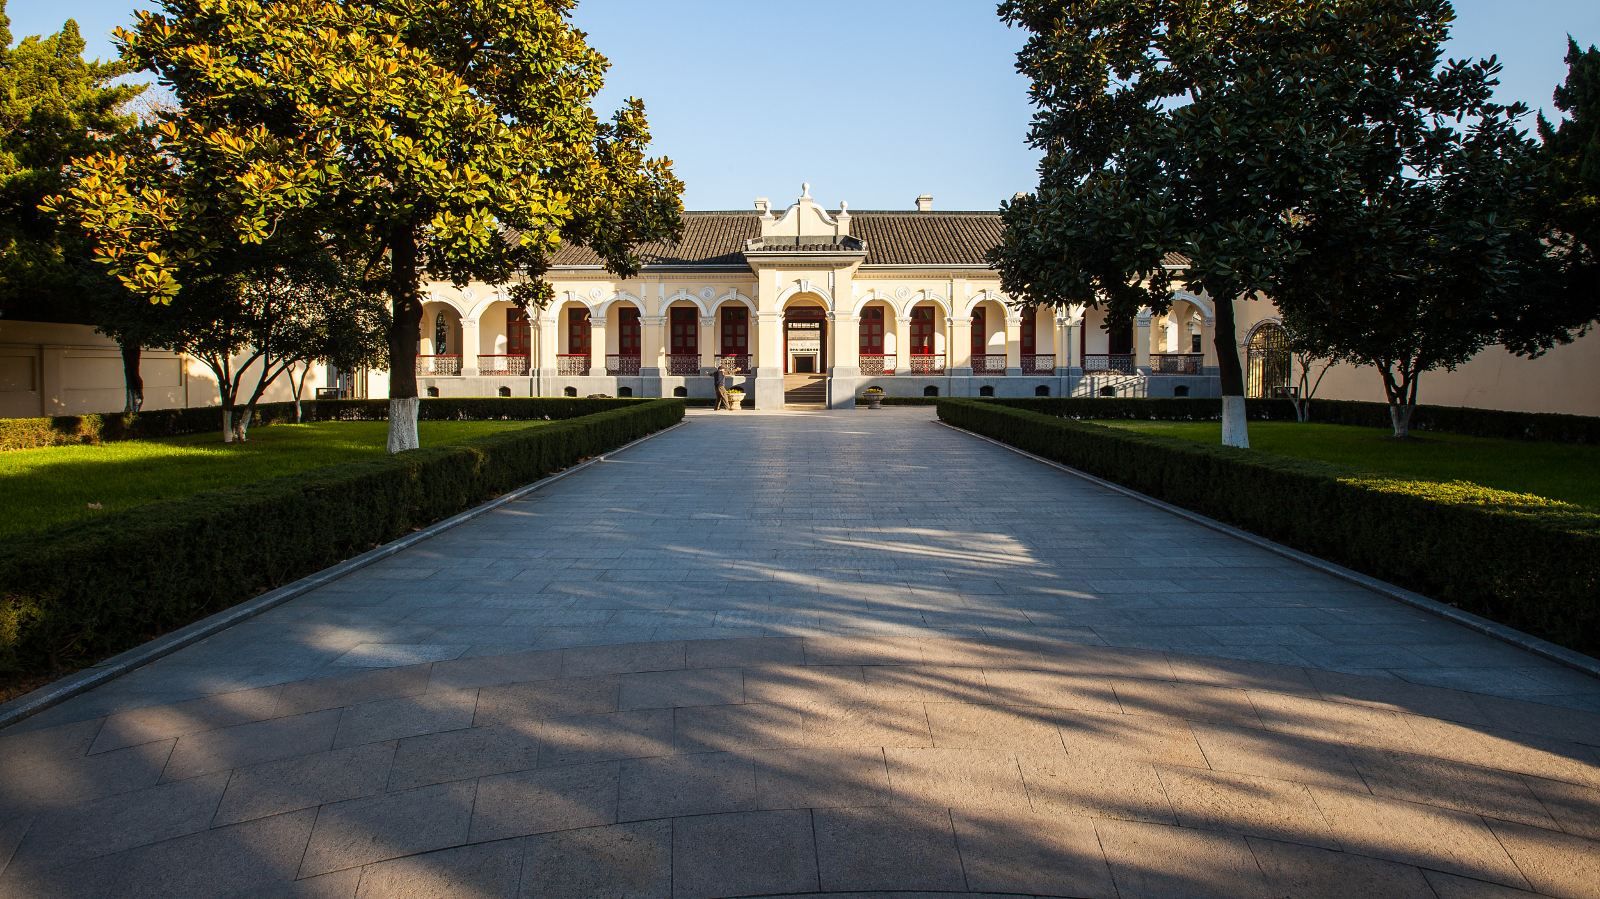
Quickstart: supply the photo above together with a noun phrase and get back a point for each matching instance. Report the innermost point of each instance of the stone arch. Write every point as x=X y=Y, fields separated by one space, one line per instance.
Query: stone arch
x=621 y=296
x=1208 y=309
x=873 y=295
x=805 y=286
x=981 y=296
x=918 y=297
x=684 y=295
x=733 y=296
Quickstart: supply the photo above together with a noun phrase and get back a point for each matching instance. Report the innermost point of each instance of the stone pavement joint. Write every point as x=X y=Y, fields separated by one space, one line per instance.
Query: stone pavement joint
x=843 y=653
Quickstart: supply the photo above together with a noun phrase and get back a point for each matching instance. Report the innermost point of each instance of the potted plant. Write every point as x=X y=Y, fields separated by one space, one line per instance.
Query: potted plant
x=874 y=397
x=736 y=397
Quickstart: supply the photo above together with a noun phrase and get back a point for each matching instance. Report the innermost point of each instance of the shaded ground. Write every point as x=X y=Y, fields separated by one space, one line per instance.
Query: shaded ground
x=797 y=654
x=54 y=486
x=1560 y=471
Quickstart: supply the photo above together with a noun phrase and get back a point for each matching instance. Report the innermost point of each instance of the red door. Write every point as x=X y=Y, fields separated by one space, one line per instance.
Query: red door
x=628 y=334
x=1030 y=332
x=519 y=332
x=735 y=331
x=872 y=331
x=922 y=331
x=980 y=332
x=577 y=332
x=685 y=332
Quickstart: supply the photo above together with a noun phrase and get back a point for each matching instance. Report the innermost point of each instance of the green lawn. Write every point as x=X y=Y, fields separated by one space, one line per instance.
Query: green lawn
x=54 y=486
x=1560 y=471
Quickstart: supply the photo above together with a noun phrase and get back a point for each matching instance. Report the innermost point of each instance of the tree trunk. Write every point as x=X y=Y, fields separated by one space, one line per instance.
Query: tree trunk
x=132 y=380
x=1302 y=409
x=1235 y=430
x=297 y=387
x=403 y=331
x=1400 y=417
x=227 y=424
x=242 y=428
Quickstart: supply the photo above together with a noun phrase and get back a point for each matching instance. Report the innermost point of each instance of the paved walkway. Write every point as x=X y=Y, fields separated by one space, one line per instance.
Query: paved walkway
x=828 y=653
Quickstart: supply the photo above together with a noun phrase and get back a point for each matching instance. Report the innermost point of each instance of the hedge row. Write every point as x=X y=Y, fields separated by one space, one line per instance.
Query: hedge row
x=80 y=596
x=1543 y=426
x=1524 y=561
x=29 y=433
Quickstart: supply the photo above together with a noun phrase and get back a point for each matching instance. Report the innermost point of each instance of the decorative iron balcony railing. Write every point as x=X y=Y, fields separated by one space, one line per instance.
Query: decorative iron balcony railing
x=441 y=365
x=1118 y=362
x=503 y=364
x=572 y=365
x=1039 y=364
x=683 y=364
x=1177 y=363
x=624 y=366
x=877 y=363
x=734 y=363
x=989 y=363
x=927 y=363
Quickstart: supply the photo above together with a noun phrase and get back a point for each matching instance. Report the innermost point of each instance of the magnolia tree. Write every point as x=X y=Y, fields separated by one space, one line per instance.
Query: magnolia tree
x=451 y=141
x=253 y=325
x=54 y=105
x=1442 y=239
x=1195 y=127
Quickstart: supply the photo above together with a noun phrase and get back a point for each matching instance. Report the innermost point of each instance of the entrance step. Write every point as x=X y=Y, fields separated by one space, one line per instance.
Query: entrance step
x=805 y=390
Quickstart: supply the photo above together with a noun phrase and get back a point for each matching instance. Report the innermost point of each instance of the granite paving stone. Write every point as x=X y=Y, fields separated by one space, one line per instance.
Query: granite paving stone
x=757 y=655
x=363 y=831
x=775 y=853
x=545 y=800
x=272 y=788
x=623 y=861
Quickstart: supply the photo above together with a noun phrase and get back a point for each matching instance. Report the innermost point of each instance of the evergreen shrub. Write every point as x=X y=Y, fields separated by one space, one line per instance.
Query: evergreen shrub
x=1524 y=561
x=82 y=595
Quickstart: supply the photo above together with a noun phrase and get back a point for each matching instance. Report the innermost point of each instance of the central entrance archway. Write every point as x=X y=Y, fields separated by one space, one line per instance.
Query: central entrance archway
x=805 y=355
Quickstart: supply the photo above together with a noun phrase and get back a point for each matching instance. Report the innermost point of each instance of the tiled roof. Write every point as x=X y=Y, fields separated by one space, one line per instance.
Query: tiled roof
x=926 y=238
x=709 y=238
x=893 y=238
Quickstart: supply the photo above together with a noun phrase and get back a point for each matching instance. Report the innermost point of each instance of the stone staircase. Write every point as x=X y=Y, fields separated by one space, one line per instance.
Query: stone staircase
x=805 y=390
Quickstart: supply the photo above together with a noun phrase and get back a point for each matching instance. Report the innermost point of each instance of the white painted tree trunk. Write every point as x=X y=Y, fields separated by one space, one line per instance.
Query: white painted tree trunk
x=403 y=424
x=1235 y=431
x=243 y=426
x=227 y=426
x=1400 y=417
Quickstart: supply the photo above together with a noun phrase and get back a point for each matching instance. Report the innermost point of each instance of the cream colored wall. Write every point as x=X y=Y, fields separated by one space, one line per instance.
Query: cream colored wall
x=1565 y=380
x=59 y=369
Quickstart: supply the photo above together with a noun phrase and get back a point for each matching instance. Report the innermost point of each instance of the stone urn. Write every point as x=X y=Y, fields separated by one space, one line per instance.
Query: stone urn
x=736 y=398
x=874 y=399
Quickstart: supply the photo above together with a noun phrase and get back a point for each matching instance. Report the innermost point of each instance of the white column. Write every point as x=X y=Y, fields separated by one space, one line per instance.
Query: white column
x=709 y=346
x=902 y=344
x=469 y=347
x=1014 y=345
x=597 y=346
x=1141 y=341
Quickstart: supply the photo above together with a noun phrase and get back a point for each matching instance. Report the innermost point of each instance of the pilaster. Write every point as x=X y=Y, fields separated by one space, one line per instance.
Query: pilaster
x=597 y=347
x=1014 y=345
x=469 y=347
x=1141 y=341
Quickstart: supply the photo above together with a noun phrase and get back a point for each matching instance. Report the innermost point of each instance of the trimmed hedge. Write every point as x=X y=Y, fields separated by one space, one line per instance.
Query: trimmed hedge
x=1521 y=560
x=85 y=594
x=31 y=433
x=1543 y=426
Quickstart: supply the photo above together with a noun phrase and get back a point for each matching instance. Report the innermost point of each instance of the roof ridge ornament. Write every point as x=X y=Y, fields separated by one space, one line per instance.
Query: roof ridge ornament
x=805 y=190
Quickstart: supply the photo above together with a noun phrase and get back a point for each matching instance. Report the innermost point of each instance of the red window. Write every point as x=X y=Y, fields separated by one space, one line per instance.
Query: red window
x=980 y=332
x=872 y=331
x=519 y=332
x=1030 y=332
x=685 y=332
x=735 y=331
x=577 y=332
x=628 y=332
x=1119 y=338
x=922 y=331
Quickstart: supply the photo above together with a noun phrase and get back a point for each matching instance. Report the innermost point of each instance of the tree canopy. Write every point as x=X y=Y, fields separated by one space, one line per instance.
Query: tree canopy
x=54 y=105
x=1193 y=127
x=455 y=142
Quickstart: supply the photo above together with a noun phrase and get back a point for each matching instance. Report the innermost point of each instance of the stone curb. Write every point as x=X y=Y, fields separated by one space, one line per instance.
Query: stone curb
x=59 y=691
x=1545 y=648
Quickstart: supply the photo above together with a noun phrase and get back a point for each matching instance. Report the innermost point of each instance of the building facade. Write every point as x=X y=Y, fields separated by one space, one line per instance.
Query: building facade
x=806 y=307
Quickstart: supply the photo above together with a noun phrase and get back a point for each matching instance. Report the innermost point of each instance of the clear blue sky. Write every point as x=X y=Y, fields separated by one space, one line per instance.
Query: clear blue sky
x=874 y=101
